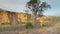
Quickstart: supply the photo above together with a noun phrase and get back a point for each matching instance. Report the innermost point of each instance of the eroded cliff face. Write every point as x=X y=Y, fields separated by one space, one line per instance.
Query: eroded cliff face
x=3 y=16
x=23 y=17
x=15 y=17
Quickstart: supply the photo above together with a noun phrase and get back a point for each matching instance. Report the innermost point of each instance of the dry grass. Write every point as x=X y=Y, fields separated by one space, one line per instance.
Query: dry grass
x=20 y=29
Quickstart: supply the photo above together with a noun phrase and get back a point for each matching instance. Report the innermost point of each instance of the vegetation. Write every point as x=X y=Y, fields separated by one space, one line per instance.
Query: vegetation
x=28 y=25
x=37 y=7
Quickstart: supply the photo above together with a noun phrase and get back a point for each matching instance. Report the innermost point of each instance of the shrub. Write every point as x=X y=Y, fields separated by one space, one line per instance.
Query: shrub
x=28 y=25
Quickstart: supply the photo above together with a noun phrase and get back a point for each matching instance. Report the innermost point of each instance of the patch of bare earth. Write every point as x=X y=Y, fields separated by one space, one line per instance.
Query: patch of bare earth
x=43 y=30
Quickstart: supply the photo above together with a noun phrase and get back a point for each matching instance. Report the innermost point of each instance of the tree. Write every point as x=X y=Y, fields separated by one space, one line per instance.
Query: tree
x=37 y=7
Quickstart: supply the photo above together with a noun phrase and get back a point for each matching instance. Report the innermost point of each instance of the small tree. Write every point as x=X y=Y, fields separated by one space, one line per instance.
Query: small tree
x=37 y=7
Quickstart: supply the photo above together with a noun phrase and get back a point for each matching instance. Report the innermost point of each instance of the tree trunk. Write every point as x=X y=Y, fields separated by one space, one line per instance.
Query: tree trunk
x=34 y=21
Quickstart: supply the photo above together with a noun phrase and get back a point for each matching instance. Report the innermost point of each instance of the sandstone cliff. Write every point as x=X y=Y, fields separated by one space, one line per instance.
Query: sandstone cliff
x=15 y=17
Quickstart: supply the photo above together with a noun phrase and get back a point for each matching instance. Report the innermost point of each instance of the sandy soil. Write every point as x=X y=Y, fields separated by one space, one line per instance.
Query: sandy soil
x=22 y=30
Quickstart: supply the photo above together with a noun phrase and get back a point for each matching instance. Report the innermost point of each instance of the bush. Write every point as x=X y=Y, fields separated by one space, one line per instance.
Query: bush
x=28 y=25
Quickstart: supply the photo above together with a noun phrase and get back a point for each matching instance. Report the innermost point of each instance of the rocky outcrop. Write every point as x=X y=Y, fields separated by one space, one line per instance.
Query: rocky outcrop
x=14 y=17
x=10 y=17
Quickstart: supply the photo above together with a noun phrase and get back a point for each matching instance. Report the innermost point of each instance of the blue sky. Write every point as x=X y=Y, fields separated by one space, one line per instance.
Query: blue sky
x=19 y=6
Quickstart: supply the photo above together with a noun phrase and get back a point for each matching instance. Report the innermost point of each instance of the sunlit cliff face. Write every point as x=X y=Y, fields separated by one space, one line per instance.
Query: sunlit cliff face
x=3 y=16
x=14 y=17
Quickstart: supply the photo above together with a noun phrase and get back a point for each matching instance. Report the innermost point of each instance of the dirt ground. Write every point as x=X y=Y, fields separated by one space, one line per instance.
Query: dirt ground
x=22 y=30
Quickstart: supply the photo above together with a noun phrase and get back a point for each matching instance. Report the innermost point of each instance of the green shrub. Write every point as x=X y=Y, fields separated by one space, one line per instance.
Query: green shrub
x=28 y=25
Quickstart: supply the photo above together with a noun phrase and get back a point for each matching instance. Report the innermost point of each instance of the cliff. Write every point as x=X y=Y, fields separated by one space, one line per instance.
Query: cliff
x=10 y=17
x=14 y=17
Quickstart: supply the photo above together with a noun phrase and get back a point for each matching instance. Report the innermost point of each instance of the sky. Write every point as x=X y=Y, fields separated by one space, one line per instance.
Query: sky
x=19 y=6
